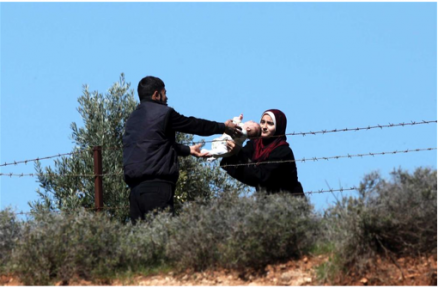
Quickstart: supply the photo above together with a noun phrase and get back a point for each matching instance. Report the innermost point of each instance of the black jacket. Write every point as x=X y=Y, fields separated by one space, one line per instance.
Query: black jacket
x=272 y=177
x=150 y=151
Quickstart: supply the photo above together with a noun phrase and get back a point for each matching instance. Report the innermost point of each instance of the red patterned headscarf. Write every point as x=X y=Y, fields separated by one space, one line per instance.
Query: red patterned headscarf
x=264 y=147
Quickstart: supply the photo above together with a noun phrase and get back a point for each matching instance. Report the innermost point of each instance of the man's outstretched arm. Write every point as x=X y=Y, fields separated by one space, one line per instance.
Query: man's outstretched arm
x=202 y=127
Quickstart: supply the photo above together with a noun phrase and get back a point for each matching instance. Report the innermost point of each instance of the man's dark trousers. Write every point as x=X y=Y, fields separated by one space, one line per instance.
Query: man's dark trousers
x=149 y=196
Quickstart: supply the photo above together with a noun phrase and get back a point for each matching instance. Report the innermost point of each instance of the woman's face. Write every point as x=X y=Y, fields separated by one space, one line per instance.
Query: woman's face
x=267 y=125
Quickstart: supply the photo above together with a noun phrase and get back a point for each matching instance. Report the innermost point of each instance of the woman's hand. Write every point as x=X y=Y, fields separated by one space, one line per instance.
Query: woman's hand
x=232 y=147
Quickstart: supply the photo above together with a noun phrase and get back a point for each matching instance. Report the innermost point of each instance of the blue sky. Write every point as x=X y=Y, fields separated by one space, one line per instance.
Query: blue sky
x=325 y=65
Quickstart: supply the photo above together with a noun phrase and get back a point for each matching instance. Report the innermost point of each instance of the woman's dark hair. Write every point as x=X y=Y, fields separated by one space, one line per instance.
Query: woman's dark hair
x=148 y=85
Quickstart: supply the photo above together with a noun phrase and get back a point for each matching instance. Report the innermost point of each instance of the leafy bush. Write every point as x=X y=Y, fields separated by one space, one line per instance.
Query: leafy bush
x=234 y=232
x=230 y=232
x=10 y=229
x=59 y=247
x=392 y=218
x=144 y=245
x=395 y=217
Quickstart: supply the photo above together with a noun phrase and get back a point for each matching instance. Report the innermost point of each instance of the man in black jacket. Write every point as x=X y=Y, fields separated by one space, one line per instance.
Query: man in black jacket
x=150 y=151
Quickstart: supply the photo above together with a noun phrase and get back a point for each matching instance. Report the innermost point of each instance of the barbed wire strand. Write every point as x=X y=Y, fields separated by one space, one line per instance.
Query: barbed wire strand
x=390 y=125
x=45 y=158
x=231 y=165
x=331 y=157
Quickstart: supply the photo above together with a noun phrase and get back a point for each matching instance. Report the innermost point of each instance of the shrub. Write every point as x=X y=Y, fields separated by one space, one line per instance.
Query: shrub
x=59 y=247
x=229 y=232
x=395 y=217
x=144 y=244
x=233 y=232
x=10 y=229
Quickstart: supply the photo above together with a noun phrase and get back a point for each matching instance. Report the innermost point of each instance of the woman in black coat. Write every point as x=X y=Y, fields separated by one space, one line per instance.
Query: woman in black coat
x=280 y=176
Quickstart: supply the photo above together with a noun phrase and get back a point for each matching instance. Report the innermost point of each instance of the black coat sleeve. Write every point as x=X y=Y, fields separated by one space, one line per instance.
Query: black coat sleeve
x=192 y=125
x=242 y=157
x=182 y=150
x=265 y=175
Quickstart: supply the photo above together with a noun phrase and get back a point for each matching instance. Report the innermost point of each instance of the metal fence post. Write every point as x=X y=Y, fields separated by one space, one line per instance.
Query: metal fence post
x=98 y=191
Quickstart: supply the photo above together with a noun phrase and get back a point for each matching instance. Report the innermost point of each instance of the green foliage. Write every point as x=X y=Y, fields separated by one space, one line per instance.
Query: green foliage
x=70 y=184
x=390 y=218
x=239 y=232
x=228 y=232
x=327 y=271
x=104 y=118
x=62 y=246
x=10 y=230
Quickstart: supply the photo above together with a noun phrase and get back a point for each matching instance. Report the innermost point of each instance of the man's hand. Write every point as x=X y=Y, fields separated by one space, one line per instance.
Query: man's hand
x=232 y=129
x=195 y=150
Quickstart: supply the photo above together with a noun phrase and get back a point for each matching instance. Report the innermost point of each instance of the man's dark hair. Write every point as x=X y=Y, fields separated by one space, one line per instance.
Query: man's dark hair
x=148 y=85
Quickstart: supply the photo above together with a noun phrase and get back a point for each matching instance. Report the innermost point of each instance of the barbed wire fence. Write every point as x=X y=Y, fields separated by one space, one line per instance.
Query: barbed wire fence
x=378 y=126
x=310 y=159
x=98 y=175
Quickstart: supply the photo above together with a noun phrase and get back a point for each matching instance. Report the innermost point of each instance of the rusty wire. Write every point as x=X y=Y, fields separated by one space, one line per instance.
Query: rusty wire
x=75 y=209
x=127 y=207
x=232 y=165
x=58 y=175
